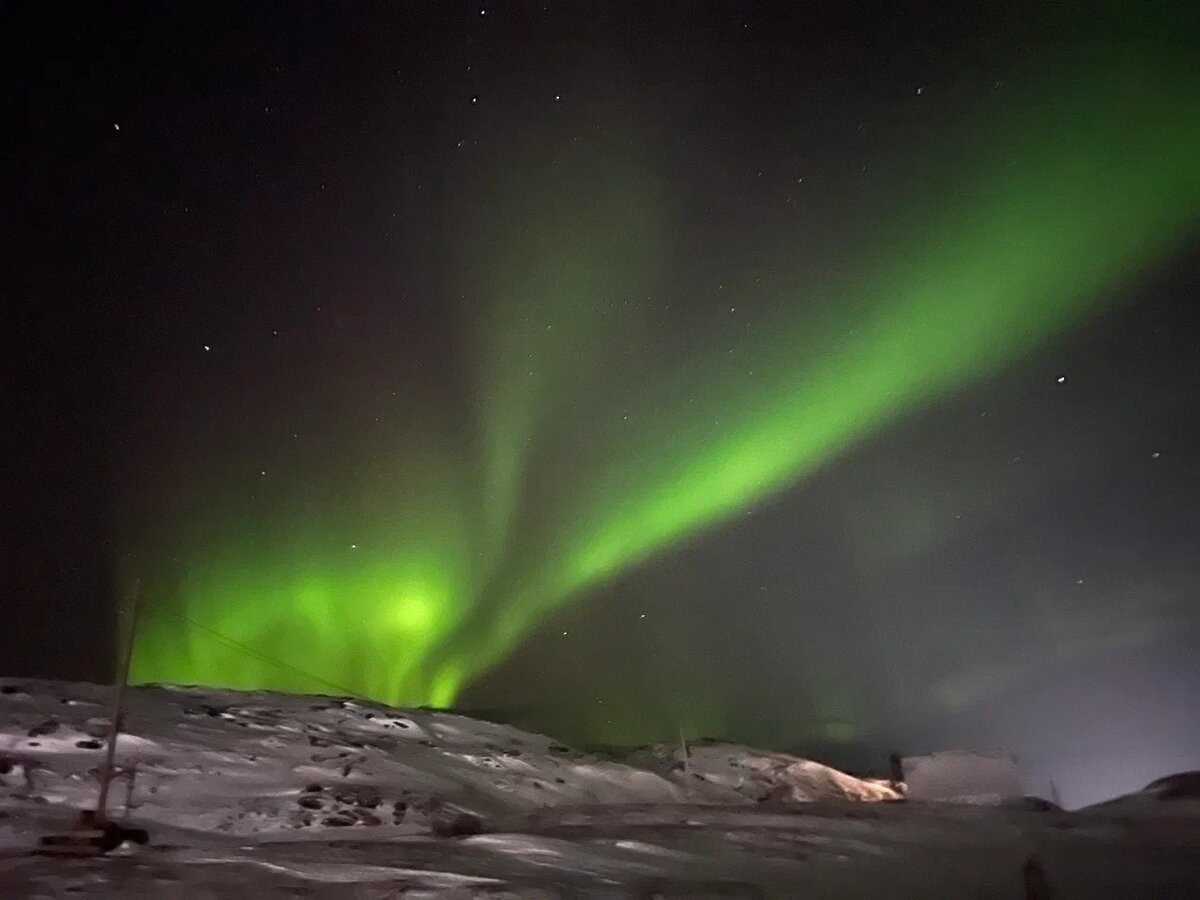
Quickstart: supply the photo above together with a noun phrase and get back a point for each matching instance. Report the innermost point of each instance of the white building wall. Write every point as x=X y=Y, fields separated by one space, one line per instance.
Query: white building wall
x=962 y=776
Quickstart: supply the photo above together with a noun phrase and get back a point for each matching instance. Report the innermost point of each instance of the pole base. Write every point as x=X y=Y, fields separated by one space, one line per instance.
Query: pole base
x=92 y=836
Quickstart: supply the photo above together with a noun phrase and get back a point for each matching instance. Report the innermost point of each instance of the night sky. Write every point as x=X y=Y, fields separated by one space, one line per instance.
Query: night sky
x=824 y=376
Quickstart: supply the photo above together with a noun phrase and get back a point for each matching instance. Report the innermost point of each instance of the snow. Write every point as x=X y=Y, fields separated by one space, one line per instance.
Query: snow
x=267 y=795
x=761 y=775
x=260 y=763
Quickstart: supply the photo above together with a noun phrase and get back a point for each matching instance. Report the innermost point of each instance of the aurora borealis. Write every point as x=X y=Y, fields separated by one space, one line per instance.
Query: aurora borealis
x=442 y=350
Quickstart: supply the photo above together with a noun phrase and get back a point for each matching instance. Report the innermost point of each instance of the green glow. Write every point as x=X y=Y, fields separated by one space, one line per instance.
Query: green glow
x=1036 y=231
x=1039 y=208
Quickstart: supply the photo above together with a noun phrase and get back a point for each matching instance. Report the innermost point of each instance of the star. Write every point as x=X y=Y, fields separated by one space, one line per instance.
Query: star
x=207 y=348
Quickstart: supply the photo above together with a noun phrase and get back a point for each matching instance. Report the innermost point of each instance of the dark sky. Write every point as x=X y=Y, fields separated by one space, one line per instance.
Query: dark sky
x=862 y=344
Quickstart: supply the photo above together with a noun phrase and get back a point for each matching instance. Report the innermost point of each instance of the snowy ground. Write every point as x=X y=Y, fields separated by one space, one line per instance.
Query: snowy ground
x=280 y=795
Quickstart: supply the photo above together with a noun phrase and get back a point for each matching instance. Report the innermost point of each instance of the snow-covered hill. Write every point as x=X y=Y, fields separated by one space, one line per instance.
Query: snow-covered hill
x=265 y=795
x=256 y=763
x=762 y=775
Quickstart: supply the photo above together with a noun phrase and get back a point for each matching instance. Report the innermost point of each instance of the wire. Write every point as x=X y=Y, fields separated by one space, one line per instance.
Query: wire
x=250 y=651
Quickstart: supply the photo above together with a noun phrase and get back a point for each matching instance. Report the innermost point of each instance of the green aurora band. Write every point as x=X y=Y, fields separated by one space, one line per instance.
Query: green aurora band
x=1029 y=217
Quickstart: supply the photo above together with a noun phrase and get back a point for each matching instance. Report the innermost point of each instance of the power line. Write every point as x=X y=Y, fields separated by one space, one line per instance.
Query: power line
x=259 y=655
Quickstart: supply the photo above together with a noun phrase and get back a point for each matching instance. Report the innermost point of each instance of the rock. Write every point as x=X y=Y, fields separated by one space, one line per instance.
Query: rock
x=1183 y=785
x=450 y=823
x=368 y=798
x=1034 y=876
x=1032 y=804
x=97 y=727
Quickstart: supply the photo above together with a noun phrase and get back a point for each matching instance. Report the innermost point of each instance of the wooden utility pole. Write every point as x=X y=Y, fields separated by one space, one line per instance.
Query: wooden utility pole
x=94 y=834
x=128 y=629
